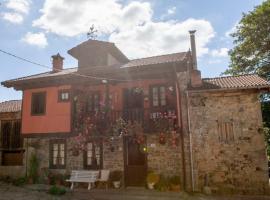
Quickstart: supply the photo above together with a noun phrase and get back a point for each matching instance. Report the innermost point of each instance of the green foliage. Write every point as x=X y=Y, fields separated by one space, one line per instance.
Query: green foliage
x=33 y=168
x=55 y=190
x=19 y=181
x=152 y=178
x=163 y=184
x=175 y=180
x=251 y=53
x=266 y=119
x=116 y=175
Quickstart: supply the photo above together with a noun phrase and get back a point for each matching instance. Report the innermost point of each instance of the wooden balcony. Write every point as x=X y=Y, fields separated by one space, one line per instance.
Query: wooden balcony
x=151 y=120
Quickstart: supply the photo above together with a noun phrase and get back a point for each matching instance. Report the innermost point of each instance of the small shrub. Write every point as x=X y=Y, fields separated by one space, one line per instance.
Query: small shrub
x=20 y=181
x=55 y=190
x=152 y=178
x=33 y=168
x=163 y=184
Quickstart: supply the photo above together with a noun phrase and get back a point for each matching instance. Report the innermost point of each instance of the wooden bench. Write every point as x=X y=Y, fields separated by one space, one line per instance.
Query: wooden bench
x=83 y=176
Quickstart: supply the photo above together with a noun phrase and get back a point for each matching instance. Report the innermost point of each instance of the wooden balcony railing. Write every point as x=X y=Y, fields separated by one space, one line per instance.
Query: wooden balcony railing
x=152 y=120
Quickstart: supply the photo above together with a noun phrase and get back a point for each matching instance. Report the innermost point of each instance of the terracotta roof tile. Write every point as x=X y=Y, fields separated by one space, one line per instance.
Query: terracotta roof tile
x=10 y=106
x=234 y=82
x=169 y=58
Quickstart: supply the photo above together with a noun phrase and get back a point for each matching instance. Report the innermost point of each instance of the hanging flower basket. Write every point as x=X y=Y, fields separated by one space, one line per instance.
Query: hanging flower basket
x=162 y=138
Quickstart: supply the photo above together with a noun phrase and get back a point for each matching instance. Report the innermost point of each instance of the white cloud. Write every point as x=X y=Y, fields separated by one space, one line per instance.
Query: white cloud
x=21 y=6
x=12 y=17
x=155 y=38
x=171 y=11
x=17 y=10
x=231 y=30
x=131 y=26
x=222 y=52
x=36 y=39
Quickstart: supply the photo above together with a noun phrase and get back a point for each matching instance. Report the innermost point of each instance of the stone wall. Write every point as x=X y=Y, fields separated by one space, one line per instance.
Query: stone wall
x=228 y=142
x=164 y=159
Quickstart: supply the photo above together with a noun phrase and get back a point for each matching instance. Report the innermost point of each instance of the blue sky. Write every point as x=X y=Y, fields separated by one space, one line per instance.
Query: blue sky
x=38 y=29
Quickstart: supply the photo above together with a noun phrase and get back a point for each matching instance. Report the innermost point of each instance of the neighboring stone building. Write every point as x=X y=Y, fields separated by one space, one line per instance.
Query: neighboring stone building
x=11 y=147
x=207 y=131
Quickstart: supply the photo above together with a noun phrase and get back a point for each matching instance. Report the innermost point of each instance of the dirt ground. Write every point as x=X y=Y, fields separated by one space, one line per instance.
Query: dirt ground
x=40 y=192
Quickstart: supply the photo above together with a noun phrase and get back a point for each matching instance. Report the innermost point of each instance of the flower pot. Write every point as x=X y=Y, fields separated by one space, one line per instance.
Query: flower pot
x=116 y=184
x=151 y=186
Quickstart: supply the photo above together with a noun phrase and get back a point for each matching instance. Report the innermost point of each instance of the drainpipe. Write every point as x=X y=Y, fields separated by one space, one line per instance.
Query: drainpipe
x=26 y=158
x=180 y=124
x=190 y=144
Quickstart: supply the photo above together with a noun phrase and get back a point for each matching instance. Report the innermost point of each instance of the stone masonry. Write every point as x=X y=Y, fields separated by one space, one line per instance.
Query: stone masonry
x=228 y=141
x=163 y=159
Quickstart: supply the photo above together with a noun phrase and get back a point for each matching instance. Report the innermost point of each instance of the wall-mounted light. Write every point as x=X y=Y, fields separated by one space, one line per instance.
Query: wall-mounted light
x=104 y=81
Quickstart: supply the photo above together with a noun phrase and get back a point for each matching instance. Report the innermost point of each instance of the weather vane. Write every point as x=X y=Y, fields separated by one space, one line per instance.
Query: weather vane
x=91 y=34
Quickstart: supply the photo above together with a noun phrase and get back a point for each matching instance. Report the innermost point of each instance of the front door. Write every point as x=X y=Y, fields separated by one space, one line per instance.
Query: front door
x=135 y=161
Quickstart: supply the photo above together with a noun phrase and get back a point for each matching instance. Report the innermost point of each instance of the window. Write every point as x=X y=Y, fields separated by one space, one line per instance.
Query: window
x=63 y=95
x=93 y=156
x=11 y=134
x=12 y=153
x=38 y=103
x=58 y=154
x=93 y=102
x=225 y=131
x=158 y=96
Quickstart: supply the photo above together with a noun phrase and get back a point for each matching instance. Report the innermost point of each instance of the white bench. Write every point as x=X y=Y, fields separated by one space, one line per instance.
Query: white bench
x=83 y=176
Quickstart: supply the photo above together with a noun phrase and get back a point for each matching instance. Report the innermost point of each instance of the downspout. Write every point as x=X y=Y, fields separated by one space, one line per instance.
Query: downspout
x=26 y=158
x=190 y=144
x=180 y=124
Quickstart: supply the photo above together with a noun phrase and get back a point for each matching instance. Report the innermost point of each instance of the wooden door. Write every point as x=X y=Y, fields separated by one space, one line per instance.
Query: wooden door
x=135 y=161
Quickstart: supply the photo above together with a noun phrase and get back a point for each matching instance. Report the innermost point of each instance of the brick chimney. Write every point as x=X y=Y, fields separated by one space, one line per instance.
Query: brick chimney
x=57 y=63
x=195 y=74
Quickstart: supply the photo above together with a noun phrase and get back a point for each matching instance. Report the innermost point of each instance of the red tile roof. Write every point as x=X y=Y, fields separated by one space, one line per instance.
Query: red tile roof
x=10 y=106
x=248 y=81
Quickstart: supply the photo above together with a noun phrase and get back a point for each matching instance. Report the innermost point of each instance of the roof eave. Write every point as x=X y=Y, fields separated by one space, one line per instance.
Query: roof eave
x=192 y=90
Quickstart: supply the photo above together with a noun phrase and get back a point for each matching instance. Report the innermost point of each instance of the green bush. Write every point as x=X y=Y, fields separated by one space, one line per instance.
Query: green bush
x=163 y=184
x=54 y=190
x=33 y=168
x=19 y=181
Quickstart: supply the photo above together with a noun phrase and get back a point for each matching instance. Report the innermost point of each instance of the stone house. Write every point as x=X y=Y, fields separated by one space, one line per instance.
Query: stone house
x=208 y=131
x=11 y=146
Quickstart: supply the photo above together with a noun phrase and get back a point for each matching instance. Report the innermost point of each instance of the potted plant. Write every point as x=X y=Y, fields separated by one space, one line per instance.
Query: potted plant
x=152 y=179
x=175 y=183
x=116 y=177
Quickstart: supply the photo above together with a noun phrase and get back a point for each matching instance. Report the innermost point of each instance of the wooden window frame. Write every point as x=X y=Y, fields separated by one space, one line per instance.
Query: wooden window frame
x=92 y=95
x=159 y=96
x=14 y=143
x=57 y=141
x=32 y=105
x=60 y=92
x=85 y=157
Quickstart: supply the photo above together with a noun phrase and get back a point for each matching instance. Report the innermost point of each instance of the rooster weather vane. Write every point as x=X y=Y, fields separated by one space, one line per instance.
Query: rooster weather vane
x=91 y=34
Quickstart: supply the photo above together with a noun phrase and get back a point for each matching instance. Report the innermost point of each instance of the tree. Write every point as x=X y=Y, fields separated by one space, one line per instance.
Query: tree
x=251 y=53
